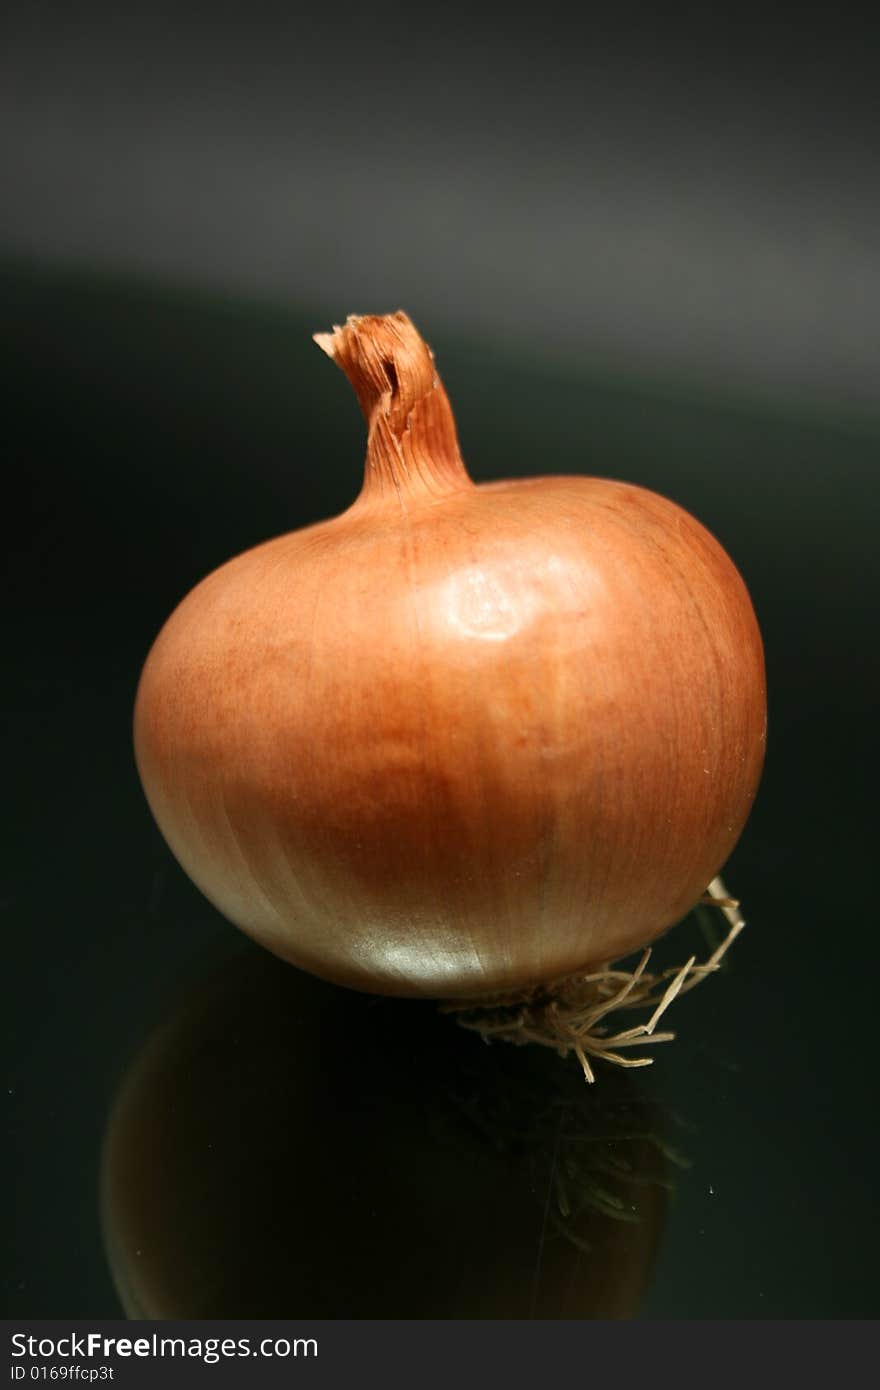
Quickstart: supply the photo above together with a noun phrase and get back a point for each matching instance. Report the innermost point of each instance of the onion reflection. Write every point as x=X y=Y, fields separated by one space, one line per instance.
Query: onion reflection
x=282 y=1148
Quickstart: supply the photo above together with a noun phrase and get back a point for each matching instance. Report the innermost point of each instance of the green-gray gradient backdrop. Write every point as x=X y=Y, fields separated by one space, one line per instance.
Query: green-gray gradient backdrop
x=636 y=256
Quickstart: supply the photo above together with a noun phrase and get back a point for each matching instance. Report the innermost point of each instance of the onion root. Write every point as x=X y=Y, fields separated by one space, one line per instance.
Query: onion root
x=572 y=1015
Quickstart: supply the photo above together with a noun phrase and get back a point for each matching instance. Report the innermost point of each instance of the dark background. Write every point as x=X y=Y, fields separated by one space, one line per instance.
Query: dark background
x=638 y=250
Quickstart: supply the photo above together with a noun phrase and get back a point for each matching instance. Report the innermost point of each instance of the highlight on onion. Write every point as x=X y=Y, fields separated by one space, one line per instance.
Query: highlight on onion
x=470 y=742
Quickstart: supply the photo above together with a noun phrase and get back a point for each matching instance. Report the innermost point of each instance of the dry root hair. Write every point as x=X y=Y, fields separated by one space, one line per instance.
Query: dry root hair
x=572 y=1017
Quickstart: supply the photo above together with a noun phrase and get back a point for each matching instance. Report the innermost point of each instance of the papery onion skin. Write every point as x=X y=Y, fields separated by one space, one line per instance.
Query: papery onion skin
x=462 y=739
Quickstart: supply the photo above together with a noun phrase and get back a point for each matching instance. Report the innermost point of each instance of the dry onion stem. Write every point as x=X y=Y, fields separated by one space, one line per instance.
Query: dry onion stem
x=571 y=1016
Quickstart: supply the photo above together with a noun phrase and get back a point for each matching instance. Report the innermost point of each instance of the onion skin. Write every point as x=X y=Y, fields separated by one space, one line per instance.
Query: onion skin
x=462 y=739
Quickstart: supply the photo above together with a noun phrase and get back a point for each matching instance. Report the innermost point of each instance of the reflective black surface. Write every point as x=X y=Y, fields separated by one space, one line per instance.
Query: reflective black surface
x=281 y=1147
x=280 y=1144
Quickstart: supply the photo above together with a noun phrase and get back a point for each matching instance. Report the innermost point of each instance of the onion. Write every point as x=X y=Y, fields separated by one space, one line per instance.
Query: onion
x=461 y=741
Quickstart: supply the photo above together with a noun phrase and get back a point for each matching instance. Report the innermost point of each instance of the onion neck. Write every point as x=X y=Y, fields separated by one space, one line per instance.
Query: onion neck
x=412 y=445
